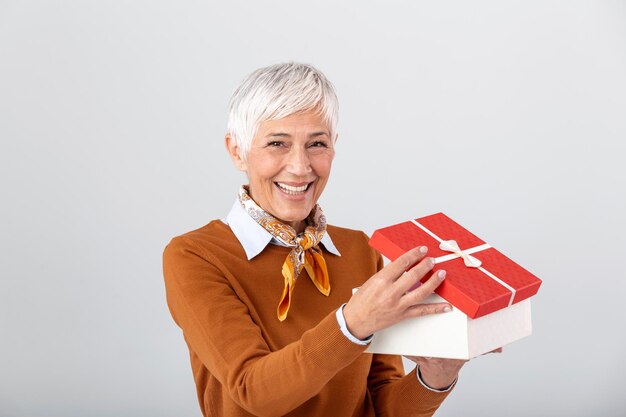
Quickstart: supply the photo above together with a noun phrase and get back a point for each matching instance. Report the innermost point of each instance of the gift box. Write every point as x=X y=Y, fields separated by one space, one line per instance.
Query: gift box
x=488 y=291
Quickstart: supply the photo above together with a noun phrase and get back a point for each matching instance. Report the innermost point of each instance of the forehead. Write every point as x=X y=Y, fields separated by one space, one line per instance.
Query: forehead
x=310 y=120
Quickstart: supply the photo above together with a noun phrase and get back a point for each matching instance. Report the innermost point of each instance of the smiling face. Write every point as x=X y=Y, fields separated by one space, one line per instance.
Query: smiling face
x=288 y=165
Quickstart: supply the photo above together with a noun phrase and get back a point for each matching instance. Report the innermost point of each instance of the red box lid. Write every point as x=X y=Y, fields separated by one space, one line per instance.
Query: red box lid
x=496 y=284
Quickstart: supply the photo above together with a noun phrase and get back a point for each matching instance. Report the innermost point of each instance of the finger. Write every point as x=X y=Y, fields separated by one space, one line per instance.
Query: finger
x=423 y=291
x=420 y=310
x=427 y=360
x=404 y=262
x=418 y=358
x=412 y=277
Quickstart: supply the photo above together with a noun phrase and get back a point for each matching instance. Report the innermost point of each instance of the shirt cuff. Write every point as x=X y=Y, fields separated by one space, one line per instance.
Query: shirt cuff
x=419 y=378
x=344 y=328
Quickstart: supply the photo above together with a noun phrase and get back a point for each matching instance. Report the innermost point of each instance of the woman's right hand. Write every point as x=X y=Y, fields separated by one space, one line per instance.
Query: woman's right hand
x=386 y=298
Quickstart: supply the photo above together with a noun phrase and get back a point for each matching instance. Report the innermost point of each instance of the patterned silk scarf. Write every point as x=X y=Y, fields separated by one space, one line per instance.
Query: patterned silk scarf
x=305 y=252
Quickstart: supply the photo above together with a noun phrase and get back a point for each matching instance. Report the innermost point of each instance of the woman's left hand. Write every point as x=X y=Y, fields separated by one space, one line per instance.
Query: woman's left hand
x=438 y=373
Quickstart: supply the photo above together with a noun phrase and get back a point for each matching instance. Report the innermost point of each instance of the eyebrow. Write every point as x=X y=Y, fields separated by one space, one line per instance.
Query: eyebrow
x=319 y=133
x=278 y=135
x=287 y=135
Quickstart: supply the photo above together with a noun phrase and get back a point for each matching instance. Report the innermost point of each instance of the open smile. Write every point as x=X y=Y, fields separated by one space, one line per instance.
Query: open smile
x=293 y=189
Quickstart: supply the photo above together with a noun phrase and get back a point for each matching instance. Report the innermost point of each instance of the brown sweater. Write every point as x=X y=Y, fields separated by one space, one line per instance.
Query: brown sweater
x=246 y=362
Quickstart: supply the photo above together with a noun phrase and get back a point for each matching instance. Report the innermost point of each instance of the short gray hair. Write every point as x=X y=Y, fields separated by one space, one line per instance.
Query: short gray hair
x=279 y=91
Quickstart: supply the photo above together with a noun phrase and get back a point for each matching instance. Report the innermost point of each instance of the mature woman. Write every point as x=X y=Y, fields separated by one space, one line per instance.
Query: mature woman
x=264 y=297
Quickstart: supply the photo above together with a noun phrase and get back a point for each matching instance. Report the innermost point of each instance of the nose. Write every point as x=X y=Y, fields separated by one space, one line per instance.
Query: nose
x=298 y=162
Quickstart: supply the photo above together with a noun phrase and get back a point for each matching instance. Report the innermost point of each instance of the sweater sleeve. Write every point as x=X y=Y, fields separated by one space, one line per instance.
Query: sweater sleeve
x=217 y=326
x=397 y=394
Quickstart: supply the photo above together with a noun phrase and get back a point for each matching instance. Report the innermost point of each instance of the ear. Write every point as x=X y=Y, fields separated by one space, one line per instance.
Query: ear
x=235 y=153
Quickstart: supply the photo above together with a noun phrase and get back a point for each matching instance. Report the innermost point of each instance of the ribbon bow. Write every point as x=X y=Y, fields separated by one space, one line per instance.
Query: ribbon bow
x=452 y=246
x=305 y=255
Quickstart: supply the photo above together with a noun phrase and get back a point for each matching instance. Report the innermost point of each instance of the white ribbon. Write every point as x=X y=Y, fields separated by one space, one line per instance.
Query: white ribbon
x=452 y=246
x=469 y=261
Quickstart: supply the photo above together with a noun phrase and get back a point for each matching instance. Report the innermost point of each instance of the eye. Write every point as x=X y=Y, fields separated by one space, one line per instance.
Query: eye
x=275 y=144
x=319 y=144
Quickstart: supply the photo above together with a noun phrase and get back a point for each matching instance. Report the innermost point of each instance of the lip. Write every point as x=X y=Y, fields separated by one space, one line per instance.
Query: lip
x=295 y=184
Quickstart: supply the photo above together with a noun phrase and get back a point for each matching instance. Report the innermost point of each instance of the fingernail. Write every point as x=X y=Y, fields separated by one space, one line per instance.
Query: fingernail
x=423 y=249
x=447 y=309
x=441 y=275
x=431 y=261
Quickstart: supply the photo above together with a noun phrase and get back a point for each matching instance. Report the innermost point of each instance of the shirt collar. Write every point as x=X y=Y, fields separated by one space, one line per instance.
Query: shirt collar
x=254 y=238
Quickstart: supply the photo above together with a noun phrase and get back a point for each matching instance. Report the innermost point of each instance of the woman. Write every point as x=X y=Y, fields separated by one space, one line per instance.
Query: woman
x=260 y=347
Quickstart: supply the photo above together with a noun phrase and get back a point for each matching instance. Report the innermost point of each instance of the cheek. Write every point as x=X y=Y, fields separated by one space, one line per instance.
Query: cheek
x=264 y=171
x=322 y=165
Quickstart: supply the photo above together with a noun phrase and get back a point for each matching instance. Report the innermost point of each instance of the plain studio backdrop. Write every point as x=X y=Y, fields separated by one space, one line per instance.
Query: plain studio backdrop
x=508 y=116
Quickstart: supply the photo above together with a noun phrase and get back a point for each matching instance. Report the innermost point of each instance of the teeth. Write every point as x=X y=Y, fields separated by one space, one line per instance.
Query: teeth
x=292 y=190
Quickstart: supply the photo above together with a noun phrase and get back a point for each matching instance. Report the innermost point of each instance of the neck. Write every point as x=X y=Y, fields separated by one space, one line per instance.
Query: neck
x=298 y=226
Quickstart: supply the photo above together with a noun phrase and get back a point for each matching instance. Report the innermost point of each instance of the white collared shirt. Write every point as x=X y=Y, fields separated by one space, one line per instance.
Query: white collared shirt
x=254 y=238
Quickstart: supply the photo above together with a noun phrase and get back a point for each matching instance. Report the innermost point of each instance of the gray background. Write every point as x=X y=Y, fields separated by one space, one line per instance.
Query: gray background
x=508 y=116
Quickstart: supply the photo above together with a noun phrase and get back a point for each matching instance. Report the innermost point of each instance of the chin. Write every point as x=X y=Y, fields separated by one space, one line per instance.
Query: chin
x=295 y=215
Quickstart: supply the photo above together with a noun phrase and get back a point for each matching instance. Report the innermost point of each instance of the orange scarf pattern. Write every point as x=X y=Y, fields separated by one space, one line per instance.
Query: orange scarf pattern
x=305 y=252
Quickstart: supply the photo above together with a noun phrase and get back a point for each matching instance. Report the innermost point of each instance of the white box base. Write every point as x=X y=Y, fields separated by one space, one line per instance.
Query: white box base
x=454 y=335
